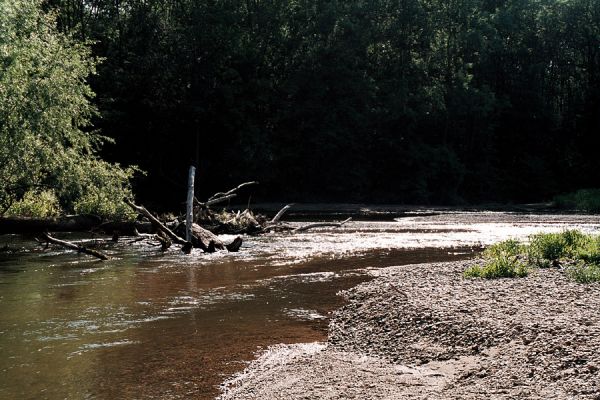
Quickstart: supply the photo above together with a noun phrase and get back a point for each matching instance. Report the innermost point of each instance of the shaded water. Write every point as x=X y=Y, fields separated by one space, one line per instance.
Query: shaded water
x=150 y=325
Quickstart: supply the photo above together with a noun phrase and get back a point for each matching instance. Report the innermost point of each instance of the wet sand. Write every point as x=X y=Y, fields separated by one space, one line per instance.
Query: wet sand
x=422 y=331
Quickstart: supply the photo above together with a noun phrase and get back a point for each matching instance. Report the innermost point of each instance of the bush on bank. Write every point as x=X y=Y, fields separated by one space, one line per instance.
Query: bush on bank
x=578 y=253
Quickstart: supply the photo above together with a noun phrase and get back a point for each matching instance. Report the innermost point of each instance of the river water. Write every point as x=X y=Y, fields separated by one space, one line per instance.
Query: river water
x=169 y=326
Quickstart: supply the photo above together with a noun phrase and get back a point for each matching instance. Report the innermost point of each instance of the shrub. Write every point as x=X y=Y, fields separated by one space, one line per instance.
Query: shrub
x=510 y=247
x=584 y=273
x=501 y=267
x=36 y=204
x=506 y=259
x=502 y=261
x=588 y=250
x=546 y=249
x=587 y=200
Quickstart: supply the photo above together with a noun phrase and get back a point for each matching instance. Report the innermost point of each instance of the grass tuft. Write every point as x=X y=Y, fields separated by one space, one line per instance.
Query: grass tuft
x=502 y=260
x=511 y=258
x=584 y=273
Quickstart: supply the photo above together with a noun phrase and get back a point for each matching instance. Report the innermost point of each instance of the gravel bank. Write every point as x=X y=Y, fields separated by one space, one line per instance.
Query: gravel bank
x=422 y=331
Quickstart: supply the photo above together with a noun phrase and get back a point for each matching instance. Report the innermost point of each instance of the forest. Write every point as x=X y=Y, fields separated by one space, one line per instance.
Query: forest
x=405 y=101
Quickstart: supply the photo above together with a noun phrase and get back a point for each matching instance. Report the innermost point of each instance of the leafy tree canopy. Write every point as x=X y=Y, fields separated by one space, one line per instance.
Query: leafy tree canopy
x=48 y=151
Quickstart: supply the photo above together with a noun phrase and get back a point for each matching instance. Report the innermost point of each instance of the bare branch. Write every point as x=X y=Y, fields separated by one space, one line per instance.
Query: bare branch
x=235 y=189
x=72 y=246
x=321 y=225
x=187 y=246
x=278 y=216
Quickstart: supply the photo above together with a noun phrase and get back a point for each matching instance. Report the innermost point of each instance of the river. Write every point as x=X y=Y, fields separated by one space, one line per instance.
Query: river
x=169 y=326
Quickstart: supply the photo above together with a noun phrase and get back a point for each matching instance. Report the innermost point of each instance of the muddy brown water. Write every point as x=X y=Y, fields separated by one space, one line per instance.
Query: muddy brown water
x=169 y=326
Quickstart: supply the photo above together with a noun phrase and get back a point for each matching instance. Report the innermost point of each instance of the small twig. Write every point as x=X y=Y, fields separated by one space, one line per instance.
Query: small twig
x=398 y=290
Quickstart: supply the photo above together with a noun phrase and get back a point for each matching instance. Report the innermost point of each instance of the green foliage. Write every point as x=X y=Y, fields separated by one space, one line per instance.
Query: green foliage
x=578 y=251
x=509 y=248
x=588 y=250
x=36 y=204
x=546 y=249
x=587 y=200
x=428 y=101
x=502 y=260
x=501 y=267
x=584 y=272
x=45 y=117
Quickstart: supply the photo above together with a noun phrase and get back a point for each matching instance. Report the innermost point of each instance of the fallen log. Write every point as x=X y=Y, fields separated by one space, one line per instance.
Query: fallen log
x=205 y=239
x=73 y=223
x=186 y=246
x=73 y=246
x=208 y=241
x=126 y=228
x=322 y=225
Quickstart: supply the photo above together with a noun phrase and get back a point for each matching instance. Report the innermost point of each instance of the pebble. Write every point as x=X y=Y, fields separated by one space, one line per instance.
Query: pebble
x=543 y=326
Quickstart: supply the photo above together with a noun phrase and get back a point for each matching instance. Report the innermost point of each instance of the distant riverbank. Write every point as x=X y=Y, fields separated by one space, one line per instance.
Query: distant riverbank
x=423 y=331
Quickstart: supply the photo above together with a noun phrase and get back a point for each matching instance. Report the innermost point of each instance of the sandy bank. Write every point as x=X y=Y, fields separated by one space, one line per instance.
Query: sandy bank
x=422 y=331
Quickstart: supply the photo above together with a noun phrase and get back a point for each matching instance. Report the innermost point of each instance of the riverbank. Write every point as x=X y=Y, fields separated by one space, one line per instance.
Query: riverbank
x=423 y=331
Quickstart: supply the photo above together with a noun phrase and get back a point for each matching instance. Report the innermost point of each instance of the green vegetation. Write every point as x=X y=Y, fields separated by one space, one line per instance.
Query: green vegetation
x=503 y=260
x=587 y=200
x=40 y=204
x=584 y=273
x=578 y=252
x=49 y=160
x=419 y=101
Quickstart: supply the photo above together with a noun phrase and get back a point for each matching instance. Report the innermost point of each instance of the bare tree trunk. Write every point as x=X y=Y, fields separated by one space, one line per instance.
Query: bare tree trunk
x=189 y=216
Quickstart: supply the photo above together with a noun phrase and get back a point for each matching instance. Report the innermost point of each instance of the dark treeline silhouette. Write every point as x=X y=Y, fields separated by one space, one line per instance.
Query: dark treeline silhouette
x=411 y=101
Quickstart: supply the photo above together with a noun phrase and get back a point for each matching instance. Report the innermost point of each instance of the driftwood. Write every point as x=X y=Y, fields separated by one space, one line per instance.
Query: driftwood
x=73 y=246
x=321 y=225
x=214 y=201
x=206 y=240
x=126 y=228
x=235 y=245
x=186 y=246
x=95 y=242
x=76 y=223
x=160 y=237
x=71 y=223
x=232 y=191
x=220 y=197
x=278 y=216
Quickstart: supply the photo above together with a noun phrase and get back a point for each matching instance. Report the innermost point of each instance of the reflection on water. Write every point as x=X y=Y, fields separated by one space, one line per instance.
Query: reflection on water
x=150 y=325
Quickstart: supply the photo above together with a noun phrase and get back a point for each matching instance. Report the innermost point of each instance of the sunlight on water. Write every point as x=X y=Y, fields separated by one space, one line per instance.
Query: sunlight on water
x=147 y=324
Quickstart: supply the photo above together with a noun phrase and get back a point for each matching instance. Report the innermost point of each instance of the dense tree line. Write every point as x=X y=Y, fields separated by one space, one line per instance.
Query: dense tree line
x=420 y=101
